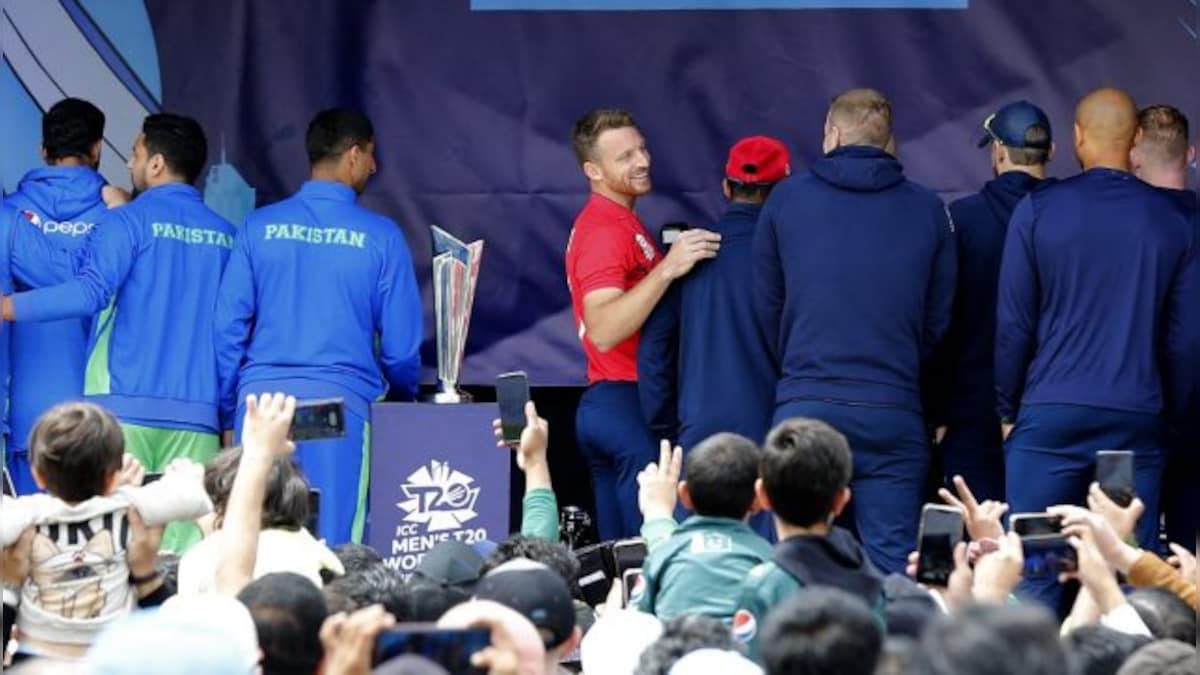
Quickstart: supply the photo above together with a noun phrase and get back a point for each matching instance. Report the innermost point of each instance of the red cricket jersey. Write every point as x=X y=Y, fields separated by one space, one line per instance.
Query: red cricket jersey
x=609 y=248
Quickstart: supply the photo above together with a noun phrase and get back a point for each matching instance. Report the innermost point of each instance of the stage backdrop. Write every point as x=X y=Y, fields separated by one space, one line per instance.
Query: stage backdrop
x=473 y=101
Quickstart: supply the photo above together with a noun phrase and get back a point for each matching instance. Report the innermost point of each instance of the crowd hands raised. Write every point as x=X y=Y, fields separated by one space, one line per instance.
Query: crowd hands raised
x=711 y=594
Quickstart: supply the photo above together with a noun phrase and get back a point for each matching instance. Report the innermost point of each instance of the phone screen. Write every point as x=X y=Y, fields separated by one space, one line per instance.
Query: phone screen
x=324 y=418
x=941 y=531
x=1033 y=524
x=1048 y=555
x=628 y=554
x=512 y=393
x=452 y=649
x=151 y=477
x=1114 y=473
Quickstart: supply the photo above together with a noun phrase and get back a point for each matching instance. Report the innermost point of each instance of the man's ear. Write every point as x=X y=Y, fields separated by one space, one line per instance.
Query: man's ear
x=685 y=495
x=840 y=502
x=94 y=153
x=1191 y=155
x=37 y=478
x=592 y=170
x=760 y=494
x=571 y=644
x=755 y=506
x=725 y=189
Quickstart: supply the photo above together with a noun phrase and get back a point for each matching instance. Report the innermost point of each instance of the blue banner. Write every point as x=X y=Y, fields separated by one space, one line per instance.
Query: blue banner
x=473 y=109
x=436 y=475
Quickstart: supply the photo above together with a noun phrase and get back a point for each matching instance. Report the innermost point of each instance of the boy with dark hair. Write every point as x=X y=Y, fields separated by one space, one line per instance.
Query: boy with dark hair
x=149 y=273
x=804 y=480
x=697 y=569
x=83 y=571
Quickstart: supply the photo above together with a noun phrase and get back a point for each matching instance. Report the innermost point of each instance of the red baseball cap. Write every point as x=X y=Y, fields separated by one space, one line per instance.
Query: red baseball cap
x=758 y=160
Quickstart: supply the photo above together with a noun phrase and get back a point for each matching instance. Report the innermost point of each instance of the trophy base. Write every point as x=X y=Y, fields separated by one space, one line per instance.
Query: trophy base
x=447 y=394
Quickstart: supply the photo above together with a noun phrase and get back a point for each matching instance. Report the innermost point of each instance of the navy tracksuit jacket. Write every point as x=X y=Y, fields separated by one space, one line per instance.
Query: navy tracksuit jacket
x=1096 y=337
x=855 y=274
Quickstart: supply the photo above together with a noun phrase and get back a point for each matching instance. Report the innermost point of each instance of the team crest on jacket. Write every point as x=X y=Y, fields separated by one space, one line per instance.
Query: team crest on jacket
x=647 y=249
x=32 y=217
x=745 y=626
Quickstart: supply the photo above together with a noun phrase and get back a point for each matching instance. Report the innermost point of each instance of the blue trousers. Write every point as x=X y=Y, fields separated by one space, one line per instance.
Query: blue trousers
x=891 y=462
x=973 y=449
x=617 y=444
x=1050 y=458
x=340 y=469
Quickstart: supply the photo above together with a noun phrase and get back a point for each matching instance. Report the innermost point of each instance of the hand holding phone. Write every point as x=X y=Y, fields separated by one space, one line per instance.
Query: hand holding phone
x=512 y=393
x=941 y=531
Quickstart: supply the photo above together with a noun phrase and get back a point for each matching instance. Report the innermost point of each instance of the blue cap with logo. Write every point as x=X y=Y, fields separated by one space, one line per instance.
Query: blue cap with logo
x=1009 y=124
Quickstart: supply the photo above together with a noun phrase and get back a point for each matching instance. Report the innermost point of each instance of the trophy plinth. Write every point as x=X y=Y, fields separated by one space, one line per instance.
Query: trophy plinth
x=447 y=394
x=455 y=272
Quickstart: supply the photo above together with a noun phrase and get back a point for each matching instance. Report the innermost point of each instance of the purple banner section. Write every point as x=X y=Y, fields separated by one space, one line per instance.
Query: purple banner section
x=436 y=475
x=473 y=110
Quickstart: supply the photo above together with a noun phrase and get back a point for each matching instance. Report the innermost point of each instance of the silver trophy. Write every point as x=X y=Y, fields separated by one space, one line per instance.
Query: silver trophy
x=455 y=272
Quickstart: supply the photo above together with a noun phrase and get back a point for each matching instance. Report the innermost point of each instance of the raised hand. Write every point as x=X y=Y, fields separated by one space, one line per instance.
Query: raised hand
x=982 y=520
x=658 y=483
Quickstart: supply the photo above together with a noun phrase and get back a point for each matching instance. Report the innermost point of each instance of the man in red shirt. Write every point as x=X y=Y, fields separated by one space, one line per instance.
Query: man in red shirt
x=616 y=276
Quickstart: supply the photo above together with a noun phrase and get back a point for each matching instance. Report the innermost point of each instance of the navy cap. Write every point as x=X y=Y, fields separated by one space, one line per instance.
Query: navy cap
x=1009 y=124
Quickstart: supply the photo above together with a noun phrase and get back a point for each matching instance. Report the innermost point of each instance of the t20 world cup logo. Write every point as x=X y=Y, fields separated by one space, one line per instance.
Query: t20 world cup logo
x=440 y=497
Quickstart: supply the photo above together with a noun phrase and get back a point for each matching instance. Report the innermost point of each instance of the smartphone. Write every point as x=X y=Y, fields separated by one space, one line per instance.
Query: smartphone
x=941 y=530
x=512 y=393
x=1048 y=555
x=595 y=576
x=450 y=648
x=1036 y=524
x=631 y=585
x=314 y=510
x=151 y=477
x=671 y=232
x=317 y=419
x=1114 y=473
x=10 y=490
x=628 y=554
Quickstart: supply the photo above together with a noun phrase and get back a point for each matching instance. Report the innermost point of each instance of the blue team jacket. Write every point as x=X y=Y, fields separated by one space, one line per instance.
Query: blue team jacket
x=1098 y=297
x=855 y=274
x=153 y=267
x=319 y=290
x=704 y=364
x=8 y=221
x=965 y=389
x=64 y=203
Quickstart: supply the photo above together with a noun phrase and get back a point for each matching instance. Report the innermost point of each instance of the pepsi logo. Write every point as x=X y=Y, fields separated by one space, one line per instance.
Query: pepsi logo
x=745 y=626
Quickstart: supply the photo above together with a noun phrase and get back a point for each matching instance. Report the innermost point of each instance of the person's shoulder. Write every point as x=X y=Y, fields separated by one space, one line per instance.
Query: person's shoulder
x=967 y=203
x=924 y=195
